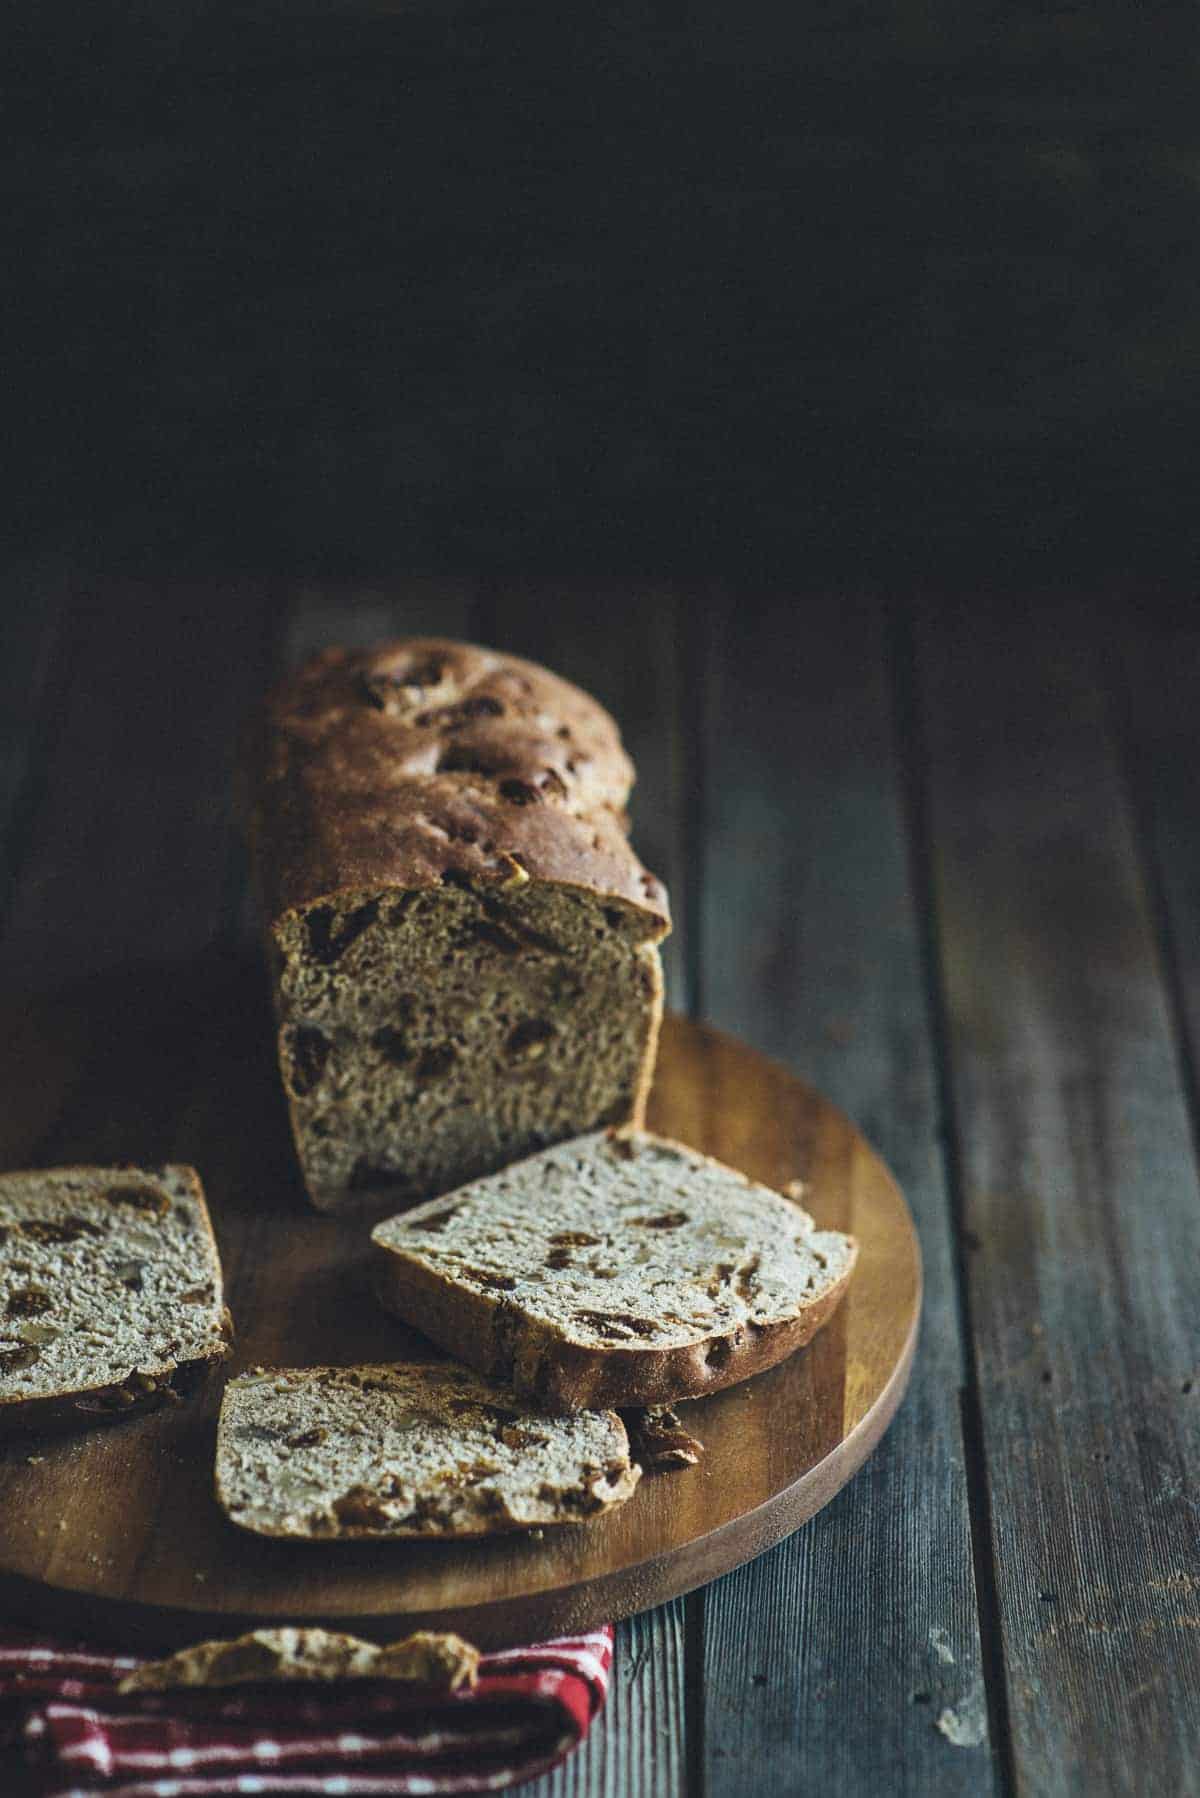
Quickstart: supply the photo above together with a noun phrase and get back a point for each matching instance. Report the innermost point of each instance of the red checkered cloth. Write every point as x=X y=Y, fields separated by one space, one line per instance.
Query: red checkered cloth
x=63 y=1722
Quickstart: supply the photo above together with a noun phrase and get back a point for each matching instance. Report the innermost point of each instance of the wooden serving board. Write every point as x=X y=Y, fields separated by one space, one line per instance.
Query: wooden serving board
x=116 y=1532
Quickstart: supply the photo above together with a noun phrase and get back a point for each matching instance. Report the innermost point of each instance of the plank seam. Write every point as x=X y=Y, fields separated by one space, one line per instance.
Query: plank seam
x=691 y=727
x=270 y=657
x=1135 y=786
x=691 y=724
x=913 y=762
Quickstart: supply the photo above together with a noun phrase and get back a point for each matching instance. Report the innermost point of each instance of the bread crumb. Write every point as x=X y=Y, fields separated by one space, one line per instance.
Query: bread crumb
x=34 y=1460
x=62 y=1523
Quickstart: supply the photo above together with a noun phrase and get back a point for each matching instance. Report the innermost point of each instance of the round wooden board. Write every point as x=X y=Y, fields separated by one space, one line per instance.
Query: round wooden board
x=116 y=1531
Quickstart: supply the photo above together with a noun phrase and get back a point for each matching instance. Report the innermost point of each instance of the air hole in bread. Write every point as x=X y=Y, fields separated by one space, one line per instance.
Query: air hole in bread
x=308 y=1052
x=528 y=1040
x=496 y=937
x=330 y=936
x=519 y=792
x=433 y=1063
x=460 y=758
x=400 y=908
x=29 y=1301
x=392 y=1045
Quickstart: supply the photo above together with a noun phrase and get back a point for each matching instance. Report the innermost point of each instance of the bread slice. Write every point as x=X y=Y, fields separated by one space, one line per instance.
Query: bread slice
x=463 y=944
x=619 y=1269
x=407 y=1450
x=311 y=1656
x=110 y=1293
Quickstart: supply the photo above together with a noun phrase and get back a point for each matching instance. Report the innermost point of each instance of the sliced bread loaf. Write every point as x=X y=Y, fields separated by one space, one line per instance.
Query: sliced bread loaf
x=110 y=1293
x=408 y=1450
x=618 y=1269
x=463 y=944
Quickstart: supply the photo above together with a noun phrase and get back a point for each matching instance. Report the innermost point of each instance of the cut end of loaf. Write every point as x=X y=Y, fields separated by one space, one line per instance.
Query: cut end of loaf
x=430 y=1036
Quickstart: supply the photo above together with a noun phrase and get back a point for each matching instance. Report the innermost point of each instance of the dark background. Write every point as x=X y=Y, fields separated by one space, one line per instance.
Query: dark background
x=904 y=292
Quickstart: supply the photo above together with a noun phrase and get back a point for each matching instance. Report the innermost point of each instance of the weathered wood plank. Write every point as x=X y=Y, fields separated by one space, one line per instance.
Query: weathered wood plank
x=1079 y=1200
x=1152 y=665
x=637 y=1746
x=622 y=647
x=829 y=1663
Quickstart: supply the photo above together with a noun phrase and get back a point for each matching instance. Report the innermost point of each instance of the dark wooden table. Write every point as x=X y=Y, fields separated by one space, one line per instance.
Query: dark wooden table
x=942 y=856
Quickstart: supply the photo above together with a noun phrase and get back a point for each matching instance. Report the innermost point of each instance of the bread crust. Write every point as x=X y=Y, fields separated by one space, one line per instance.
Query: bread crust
x=425 y=762
x=311 y=1656
x=58 y=1413
x=352 y=779
x=544 y=1366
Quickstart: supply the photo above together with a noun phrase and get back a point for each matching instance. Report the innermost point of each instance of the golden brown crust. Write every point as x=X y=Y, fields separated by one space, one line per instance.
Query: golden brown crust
x=559 y=1375
x=420 y=758
x=307 y=1656
x=134 y=1397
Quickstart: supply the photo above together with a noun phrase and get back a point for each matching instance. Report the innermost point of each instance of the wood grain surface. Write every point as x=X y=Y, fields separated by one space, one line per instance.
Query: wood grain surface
x=1081 y=1208
x=941 y=858
x=120 y=1527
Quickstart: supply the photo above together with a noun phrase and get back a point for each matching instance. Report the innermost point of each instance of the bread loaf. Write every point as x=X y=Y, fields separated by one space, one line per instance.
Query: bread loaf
x=463 y=943
x=408 y=1450
x=619 y=1269
x=110 y=1293
x=308 y=1657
